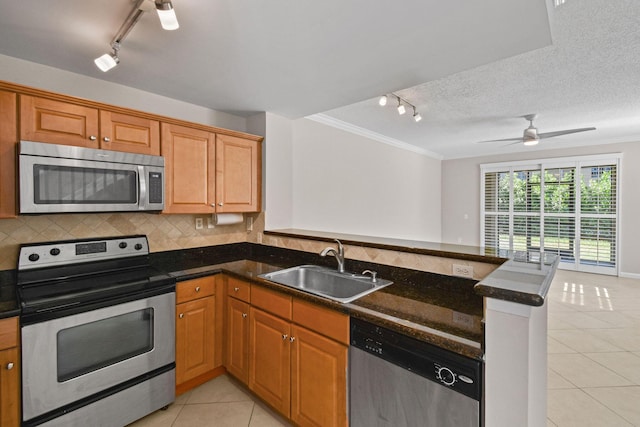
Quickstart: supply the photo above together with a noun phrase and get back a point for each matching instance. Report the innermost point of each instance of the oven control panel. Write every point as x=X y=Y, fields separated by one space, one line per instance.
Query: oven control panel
x=65 y=252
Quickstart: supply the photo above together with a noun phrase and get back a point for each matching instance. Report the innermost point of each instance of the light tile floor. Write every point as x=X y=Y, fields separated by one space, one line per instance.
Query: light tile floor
x=221 y=402
x=593 y=364
x=593 y=351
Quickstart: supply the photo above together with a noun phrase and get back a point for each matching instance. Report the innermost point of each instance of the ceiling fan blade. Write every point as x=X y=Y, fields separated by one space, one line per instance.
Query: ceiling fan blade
x=519 y=139
x=563 y=132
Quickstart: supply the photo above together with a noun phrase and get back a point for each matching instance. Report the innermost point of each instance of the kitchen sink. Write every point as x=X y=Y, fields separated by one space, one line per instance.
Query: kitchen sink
x=325 y=282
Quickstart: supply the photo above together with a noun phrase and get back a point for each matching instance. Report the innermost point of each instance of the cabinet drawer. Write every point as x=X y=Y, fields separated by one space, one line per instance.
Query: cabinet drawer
x=196 y=288
x=327 y=322
x=273 y=302
x=8 y=333
x=239 y=289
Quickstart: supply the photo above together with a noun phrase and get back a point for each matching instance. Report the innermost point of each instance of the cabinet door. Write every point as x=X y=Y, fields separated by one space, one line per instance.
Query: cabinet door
x=8 y=140
x=238 y=174
x=189 y=156
x=238 y=339
x=122 y=132
x=318 y=380
x=269 y=359
x=45 y=120
x=9 y=388
x=195 y=340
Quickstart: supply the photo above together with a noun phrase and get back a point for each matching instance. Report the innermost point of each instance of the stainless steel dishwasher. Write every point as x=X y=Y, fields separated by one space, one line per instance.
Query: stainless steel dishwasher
x=396 y=380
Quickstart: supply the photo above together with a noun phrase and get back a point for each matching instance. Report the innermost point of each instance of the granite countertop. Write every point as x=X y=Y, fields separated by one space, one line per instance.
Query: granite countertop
x=438 y=309
x=443 y=310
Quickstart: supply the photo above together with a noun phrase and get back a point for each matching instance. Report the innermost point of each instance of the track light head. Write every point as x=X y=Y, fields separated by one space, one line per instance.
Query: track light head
x=108 y=60
x=167 y=15
x=383 y=100
x=417 y=117
x=401 y=109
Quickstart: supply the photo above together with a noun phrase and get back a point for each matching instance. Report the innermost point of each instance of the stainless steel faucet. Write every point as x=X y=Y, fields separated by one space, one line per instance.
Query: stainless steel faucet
x=338 y=254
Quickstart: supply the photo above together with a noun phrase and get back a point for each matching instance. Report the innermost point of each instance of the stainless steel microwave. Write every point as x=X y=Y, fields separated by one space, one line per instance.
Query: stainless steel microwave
x=63 y=178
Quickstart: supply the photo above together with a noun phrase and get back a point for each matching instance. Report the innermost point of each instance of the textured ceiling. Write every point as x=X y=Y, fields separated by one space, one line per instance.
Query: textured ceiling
x=588 y=77
x=471 y=68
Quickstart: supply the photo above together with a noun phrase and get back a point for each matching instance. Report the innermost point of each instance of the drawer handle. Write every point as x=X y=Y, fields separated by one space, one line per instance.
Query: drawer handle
x=93 y=138
x=236 y=289
x=244 y=315
x=284 y=337
x=181 y=315
x=197 y=288
x=9 y=366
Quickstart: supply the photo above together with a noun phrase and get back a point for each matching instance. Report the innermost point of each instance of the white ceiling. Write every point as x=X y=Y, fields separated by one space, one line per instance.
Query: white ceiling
x=484 y=63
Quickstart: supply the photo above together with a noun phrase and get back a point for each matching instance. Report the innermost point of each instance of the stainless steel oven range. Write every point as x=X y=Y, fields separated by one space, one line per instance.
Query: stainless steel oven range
x=98 y=332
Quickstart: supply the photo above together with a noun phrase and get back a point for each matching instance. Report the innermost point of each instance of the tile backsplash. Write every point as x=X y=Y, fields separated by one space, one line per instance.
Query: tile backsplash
x=165 y=232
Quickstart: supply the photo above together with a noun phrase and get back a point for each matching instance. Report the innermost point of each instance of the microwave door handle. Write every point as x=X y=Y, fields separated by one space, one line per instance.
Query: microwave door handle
x=142 y=187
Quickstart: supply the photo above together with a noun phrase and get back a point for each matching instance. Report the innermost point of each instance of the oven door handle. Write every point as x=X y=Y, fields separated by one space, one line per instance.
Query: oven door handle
x=142 y=187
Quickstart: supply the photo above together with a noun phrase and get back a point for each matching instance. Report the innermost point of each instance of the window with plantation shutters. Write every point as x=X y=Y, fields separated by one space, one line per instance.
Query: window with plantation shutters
x=567 y=207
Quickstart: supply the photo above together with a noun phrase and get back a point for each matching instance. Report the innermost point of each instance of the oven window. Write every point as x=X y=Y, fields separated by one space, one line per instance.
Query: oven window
x=75 y=185
x=91 y=346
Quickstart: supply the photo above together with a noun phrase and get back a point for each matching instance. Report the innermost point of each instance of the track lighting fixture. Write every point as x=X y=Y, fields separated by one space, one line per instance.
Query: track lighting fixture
x=416 y=116
x=168 y=21
x=401 y=109
x=167 y=15
x=108 y=60
x=402 y=106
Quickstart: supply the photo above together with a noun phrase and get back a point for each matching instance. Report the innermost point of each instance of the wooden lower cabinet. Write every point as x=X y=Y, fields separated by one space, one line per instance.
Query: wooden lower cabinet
x=9 y=373
x=269 y=360
x=238 y=339
x=318 y=379
x=194 y=338
x=198 y=332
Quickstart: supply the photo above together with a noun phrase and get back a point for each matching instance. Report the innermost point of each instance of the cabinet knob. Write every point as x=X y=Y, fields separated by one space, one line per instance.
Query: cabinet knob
x=9 y=366
x=220 y=204
x=244 y=315
x=284 y=337
x=197 y=288
x=236 y=289
x=181 y=315
x=106 y=139
x=292 y=339
x=93 y=137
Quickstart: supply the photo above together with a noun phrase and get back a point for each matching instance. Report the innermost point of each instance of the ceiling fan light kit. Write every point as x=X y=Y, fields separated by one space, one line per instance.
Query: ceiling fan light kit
x=402 y=106
x=167 y=17
x=531 y=136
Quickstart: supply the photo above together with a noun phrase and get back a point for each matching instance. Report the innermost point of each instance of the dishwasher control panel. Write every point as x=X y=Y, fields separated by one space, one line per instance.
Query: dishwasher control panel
x=445 y=367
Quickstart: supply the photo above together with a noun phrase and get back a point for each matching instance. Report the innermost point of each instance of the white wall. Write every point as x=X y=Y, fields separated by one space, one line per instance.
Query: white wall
x=64 y=82
x=461 y=195
x=277 y=178
x=348 y=183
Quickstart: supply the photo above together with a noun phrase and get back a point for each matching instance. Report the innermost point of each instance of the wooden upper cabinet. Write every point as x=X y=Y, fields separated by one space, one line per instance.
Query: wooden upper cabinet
x=46 y=120
x=189 y=156
x=57 y=122
x=123 y=132
x=238 y=174
x=8 y=139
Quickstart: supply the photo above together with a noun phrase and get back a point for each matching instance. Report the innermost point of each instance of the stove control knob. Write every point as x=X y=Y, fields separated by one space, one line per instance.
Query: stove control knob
x=122 y=245
x=54 y=251
x=34 y=257
x=445 y=376
x=138 y=246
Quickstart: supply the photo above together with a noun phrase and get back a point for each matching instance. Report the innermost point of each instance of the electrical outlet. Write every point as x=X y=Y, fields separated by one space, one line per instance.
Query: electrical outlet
x=463 y=270
x=210 y=223
x=199 y=224
x=249 y=224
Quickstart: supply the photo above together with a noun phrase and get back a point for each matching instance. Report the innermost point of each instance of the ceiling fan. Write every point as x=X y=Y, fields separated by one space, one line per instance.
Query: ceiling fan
x=531 y=135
